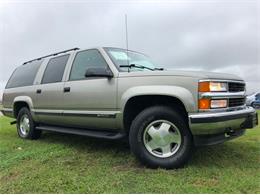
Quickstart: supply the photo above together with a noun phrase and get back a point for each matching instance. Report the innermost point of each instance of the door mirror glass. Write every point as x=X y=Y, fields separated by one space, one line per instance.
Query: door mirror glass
x=98 y=72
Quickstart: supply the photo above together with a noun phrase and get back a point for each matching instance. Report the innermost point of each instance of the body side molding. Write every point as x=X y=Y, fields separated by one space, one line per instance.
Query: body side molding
x=99 y=114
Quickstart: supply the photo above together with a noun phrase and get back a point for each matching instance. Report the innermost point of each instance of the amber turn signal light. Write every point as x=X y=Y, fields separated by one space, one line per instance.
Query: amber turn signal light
x=204 y=104
x=204 y=86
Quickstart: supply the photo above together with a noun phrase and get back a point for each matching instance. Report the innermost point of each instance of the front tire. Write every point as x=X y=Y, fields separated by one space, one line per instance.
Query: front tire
x=160 y=137
x=254 y=105
x=26 y=126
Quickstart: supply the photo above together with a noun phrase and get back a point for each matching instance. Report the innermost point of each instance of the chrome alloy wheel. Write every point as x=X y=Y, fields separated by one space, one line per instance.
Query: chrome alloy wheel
x=162 y=138
x=24 y=125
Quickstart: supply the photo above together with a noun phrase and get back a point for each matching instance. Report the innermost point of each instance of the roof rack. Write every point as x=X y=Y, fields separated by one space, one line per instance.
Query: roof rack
x=54 y=54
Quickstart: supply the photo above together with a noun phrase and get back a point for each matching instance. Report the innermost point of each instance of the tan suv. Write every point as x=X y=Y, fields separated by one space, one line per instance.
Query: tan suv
x=115 y=93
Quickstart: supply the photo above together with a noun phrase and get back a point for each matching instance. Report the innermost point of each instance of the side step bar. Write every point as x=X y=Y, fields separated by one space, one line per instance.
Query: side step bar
x=84 y=132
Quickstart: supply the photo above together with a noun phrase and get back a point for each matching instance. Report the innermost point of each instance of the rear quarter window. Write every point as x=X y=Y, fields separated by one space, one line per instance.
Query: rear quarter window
x=24 y=75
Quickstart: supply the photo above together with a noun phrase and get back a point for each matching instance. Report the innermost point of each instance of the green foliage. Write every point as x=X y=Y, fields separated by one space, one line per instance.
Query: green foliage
x=59 y=163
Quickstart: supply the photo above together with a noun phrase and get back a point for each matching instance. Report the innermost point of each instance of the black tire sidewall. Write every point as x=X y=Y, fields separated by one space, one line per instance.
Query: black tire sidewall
x=254 y=105
x=136 y=137
x=32 y=134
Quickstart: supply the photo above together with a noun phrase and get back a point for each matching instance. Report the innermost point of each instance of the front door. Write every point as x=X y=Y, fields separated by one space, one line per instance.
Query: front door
x=90 y=102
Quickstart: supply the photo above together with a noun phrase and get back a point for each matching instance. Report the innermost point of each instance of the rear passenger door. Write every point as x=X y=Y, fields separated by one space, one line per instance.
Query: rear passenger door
x=49 y=94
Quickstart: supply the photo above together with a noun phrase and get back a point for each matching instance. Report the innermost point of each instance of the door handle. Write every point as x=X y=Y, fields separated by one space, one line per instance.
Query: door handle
x=66 y=89
x=38 y=91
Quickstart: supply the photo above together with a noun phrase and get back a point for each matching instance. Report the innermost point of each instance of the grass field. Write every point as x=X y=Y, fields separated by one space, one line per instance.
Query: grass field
x=59 y=163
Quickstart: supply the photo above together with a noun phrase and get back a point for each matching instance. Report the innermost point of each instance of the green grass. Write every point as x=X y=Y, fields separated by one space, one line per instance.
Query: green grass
x=59 y=163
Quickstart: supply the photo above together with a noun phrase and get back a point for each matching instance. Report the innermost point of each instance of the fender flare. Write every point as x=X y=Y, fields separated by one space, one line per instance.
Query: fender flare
x=184 y=95
x=25 y=99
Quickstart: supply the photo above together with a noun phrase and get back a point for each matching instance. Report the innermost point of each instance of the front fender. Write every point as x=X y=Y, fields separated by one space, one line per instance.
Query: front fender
x=184 y=95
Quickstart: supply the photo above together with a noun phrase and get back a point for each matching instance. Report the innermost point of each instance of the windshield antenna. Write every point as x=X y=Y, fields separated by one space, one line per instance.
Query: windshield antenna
x=126 y=40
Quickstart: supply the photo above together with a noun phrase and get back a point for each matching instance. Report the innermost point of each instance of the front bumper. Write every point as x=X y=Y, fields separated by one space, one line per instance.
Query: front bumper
x=223 y=123
x=215 y=128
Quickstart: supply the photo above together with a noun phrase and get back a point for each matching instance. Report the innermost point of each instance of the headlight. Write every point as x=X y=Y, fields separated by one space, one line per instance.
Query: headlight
x=211 y=86
x=209 y=104
x=218 y=103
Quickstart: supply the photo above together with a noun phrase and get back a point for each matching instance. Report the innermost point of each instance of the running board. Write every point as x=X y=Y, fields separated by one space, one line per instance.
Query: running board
x=84 y=132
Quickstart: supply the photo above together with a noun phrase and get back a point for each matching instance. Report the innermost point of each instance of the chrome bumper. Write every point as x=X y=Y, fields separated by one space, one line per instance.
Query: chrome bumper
x=222 y=122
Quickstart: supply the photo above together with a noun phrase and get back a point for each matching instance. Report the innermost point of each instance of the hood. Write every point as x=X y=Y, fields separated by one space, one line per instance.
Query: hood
x=196 y=74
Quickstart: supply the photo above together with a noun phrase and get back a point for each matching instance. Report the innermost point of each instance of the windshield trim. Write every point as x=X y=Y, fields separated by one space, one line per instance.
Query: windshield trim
x=106 y=48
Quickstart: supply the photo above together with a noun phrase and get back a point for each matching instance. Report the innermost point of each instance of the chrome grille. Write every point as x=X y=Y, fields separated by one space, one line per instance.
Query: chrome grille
x=233 y=102
x=236 y=87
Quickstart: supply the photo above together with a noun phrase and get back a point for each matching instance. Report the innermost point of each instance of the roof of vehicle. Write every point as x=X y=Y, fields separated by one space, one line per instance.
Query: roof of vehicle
x=73 y=50
x=54 y=54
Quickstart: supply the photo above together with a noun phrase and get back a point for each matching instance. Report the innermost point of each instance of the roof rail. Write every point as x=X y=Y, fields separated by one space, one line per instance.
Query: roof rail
x=54 y=54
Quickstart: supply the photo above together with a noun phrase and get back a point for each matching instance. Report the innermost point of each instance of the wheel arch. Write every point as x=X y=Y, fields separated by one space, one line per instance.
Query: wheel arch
x=136 y=99
x=20 y=102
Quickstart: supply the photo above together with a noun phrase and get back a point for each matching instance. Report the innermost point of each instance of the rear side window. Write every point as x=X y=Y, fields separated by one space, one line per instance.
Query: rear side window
x=24 y=75
x=55 y=69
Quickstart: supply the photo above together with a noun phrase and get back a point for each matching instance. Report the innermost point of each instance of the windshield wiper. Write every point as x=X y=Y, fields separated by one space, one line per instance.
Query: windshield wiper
x=139 y=66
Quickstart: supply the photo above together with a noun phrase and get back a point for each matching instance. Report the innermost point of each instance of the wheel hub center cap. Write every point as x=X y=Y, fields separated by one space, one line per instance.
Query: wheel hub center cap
x=162 y=138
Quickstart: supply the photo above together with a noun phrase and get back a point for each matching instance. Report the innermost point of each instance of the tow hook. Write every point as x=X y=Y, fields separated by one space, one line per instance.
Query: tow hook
x=13 y=122
x=231 y=133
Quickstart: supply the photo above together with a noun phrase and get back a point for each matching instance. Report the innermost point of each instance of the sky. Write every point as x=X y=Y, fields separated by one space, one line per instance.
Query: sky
x=219 y=36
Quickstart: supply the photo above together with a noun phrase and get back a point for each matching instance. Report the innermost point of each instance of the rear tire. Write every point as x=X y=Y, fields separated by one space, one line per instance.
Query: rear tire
x=160 y=137
x=26 y=126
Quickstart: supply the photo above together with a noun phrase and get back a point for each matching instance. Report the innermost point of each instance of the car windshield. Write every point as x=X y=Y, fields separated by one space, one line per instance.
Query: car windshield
x=123 y=58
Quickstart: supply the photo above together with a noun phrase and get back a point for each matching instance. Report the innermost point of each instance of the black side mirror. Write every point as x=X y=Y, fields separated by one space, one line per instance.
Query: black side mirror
x=98 y=72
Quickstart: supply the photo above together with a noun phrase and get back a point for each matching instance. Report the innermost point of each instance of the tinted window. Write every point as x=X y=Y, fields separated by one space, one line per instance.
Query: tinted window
x=84 y=60
x=55 y=69
x=24 y=75
x=257 y=96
